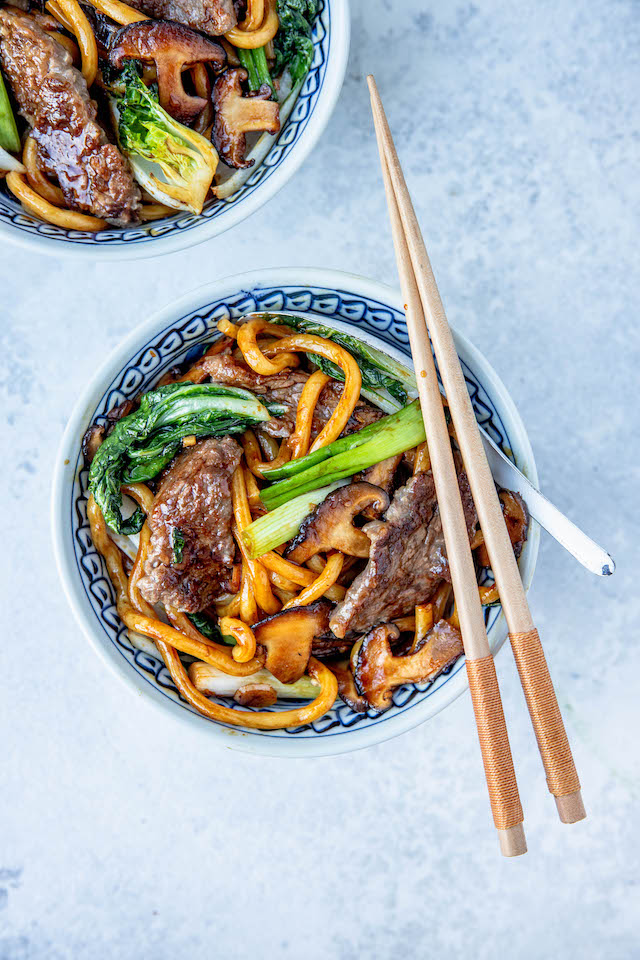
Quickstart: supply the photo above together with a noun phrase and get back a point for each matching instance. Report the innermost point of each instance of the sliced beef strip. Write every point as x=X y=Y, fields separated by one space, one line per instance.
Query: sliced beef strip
x=214 y=17
x=224 y=369
x=407 y=559
x=362 y=416
x=194 y=498
x=285 y=388
x=53 y=97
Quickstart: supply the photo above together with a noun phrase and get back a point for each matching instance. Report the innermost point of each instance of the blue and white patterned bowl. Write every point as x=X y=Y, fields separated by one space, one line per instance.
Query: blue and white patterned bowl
x=299 y=135
x=373 y=312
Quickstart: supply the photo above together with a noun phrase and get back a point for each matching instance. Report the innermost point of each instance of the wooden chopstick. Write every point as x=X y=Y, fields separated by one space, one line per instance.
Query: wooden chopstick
x=553 y=744
x=492 y=731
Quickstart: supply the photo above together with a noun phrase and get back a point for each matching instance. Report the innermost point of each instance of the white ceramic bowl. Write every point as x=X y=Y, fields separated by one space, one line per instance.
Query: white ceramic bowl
x=372 y=312
x=298 y=137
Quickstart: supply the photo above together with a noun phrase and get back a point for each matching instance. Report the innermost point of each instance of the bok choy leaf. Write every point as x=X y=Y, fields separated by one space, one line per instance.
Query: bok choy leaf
x=144 y=442
x=209 y=629
x=381 y=374
x=292 y=43
x=172 y=162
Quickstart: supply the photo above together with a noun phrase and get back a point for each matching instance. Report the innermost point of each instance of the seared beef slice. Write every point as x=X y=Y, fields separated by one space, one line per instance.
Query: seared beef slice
x=192 y=512
x=285 y=388
x=214 y=17
x=53 y=96
x=407 y=559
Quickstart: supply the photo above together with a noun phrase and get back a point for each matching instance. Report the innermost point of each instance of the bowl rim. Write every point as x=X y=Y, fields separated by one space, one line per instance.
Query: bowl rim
x=238 y=738
x=209 y=228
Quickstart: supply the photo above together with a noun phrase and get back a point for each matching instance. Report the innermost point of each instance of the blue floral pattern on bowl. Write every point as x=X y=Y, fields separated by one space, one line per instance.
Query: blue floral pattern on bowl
x=223 y=212
x=172 y=345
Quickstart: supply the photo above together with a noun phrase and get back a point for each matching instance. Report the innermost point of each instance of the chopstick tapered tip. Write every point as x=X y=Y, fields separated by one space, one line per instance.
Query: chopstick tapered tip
x=513 y=842
x=373 y=90
x=571 y=808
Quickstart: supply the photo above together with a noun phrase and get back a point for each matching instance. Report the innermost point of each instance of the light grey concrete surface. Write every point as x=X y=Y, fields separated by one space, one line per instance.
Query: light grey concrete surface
x=121 y=836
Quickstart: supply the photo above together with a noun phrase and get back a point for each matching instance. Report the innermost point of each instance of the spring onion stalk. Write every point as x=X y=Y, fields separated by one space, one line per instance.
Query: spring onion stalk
x=246 y=59
x=273 y=529
x=255 y=63
x=397 y=422
x=8 y=162
x=9 y=139
x=394 y=436
x=212 y=681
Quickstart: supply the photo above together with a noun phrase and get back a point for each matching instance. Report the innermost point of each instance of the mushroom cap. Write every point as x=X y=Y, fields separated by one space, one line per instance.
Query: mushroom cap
x=237 y=115
x=378 y=672
x=288 y=636
x=330 y=526
x=172 y=47
x=347 y=689
x=149 y=39
x=381 y=475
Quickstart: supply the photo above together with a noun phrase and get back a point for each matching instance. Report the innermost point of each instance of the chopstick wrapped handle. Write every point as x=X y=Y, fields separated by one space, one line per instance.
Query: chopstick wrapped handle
x=496 y=754
x=562 y=777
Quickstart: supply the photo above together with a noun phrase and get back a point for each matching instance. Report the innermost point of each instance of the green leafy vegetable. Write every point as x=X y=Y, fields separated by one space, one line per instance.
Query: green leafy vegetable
x=394 y=434
x=379 y=371
x=9 y=139
x=292 y=43
x=210 y=630
x=173 y=163
x=177 y=542
x=141 y=444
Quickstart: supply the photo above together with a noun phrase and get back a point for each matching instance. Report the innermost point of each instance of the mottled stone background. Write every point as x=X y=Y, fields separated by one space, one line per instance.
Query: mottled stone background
x=124 y=838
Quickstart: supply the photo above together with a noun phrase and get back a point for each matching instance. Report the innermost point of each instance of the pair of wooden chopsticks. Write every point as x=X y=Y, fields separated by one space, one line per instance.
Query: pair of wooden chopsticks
x=426 y=318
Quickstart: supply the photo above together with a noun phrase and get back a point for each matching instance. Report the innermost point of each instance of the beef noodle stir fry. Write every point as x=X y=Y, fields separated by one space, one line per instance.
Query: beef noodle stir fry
x=118 y=113
x=286 y=541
